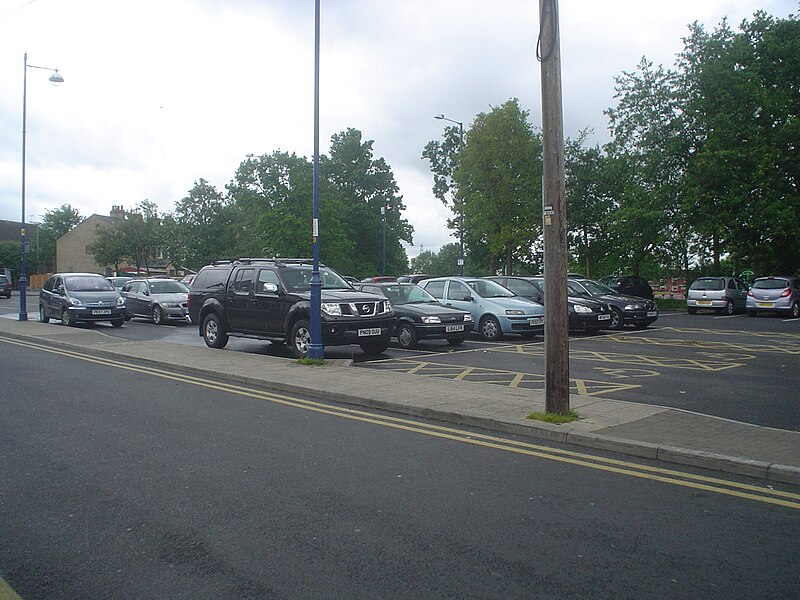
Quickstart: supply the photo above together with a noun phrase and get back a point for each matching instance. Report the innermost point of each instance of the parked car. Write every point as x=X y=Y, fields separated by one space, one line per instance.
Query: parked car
x=495 y=309
x=5 y=286
x=420 y=316
x=379 y=279
x=158 y=298
x=415 y=278
x=269 y=299
x=187 y=279
x=625 y=310
x=777 y=294
x=582 y=313
x=118 y=282
x=725 y=295
x=630 y=285
x=76 y=297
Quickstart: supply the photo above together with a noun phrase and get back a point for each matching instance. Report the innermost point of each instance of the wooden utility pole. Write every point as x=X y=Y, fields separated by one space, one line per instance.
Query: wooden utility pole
x=554 y=215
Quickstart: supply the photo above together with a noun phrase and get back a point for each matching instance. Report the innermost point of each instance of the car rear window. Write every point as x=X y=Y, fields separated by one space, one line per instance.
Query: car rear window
x=710 y=283
x=770 y=284
x=210 y=278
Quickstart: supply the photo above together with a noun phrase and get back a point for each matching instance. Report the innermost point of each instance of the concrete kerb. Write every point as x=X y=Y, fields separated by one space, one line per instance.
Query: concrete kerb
x=521 y=427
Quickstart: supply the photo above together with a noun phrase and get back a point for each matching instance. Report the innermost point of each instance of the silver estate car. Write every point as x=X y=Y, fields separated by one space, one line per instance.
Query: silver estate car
x=160 y=299
x=724 y=295
x=775 y=295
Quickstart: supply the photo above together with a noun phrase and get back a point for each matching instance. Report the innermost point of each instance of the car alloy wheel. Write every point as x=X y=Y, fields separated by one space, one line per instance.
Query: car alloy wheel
x=490 y=329
x=617 y=320
x=406 y=336
x=300 y=338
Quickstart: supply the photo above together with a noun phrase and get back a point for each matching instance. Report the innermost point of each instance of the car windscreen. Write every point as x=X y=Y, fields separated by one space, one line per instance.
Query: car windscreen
x=597 y=289
x=88 y=284
x=486 y=288
x=770 y=284
x=168 y=287
x=299 y=280
x=407 y=294
x=710 y=284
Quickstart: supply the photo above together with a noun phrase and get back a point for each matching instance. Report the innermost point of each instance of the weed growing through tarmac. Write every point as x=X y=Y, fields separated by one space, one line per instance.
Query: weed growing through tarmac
x=313 y=362
x=556 y=418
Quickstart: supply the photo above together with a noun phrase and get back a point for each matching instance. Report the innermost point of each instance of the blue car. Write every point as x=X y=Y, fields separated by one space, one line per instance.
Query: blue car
x=495 y=309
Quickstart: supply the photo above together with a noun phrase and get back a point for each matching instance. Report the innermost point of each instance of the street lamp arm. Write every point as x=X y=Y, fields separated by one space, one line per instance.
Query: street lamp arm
x=443 y=118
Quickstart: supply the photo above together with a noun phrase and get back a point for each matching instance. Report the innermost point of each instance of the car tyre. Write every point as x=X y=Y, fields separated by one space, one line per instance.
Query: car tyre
x=490 y=329
x=728 y=309
x=67 y=319
x=42 y=315
x=794 y=312
x=455 y=341
x=117 y=323
x=375 y=347
x=158 y=315
x=691 y=311
x=300 y=338
x=214 y=333
x=617 y=320
x=406 y=336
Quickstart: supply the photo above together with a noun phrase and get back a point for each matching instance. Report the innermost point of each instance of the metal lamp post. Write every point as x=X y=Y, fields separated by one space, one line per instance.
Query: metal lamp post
x=383 y=240
x=461 y=212
x=55 y=79
x=316 y=349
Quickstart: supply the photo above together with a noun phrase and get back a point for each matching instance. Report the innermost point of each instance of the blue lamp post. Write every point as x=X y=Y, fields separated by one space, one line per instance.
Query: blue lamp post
x=316 y=349
x=55 y=79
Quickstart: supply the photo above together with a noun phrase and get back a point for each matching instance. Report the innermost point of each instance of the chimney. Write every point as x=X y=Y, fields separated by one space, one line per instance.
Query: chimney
x=117 y=212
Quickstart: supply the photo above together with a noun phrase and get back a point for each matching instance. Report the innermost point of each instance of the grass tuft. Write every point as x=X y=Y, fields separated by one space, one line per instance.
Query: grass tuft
x=556 y=418
x=312 y=362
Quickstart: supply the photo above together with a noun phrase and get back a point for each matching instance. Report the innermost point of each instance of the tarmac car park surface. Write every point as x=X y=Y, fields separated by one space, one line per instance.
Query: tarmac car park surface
x=740 y=368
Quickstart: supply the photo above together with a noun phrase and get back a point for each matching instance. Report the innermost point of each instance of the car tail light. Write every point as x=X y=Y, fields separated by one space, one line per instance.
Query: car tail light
x=786 y=293
x=751 y=294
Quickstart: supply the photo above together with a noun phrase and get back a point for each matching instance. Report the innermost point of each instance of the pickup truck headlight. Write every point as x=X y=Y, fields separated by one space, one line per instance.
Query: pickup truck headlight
x=386 y=306
x=580 y=308
x=515 y=311
x=431 y=319
x=331 y=308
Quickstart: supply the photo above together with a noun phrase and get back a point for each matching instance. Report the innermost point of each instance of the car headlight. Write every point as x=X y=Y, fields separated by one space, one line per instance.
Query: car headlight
x=331 y=308
x=120 y=301
x=515 y=311
x=75 y=302
x=386 y=307
x=580 y=308
x=433 y=319
x=171 y=304
x=633 y=307
x=468 y=318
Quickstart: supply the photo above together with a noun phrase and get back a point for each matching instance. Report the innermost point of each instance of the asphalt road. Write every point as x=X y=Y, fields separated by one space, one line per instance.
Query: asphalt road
x=737 y=367
x=121 y=484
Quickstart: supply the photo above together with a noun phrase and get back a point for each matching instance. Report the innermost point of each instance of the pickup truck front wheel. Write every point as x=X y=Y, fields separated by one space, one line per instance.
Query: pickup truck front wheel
x=300 y=338
x=214 y=333
x=375 y=347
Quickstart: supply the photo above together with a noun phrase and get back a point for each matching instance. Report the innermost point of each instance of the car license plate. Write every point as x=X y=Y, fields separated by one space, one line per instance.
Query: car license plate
x=765 y=304
x=535 y=321
x=450 y=328
x=652 y=313
x=704 y=303
x=106 y=311
x=603 y=317
x=368 y=332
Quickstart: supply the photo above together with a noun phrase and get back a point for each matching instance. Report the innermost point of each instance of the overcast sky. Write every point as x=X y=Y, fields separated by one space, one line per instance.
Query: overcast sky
x=161 y=93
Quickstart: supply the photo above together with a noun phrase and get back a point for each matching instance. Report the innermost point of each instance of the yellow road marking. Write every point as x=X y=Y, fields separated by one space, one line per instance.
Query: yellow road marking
x=621 y=467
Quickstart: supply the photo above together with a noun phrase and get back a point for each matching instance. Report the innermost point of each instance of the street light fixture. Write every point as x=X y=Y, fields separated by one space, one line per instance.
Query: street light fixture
x=461 y=215
x=55 y=79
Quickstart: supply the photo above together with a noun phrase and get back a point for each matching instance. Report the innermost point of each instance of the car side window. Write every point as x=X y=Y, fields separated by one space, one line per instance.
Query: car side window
x=243 y=282
x=731 y=285
x=435 y=289
x=266 y=276
x=457 y=291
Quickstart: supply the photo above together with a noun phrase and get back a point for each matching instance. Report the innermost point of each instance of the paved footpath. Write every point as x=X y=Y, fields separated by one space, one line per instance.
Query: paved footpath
x=644 y=430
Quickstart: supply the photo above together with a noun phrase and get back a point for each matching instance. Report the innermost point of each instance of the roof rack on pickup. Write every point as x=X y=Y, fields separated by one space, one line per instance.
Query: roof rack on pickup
x=276 y=261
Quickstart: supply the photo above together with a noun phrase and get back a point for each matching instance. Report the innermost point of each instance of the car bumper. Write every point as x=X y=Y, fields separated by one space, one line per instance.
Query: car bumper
x=640 y=317
x=338 y=333
x=589 y=321
x=96 y=314
x=442 y=331
x=706 y=303
x=779 y=305
x=176 y=313
x=526 y=324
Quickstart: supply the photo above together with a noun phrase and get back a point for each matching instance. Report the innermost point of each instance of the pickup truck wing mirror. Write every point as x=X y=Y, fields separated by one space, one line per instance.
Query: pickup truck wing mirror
x=269 y=288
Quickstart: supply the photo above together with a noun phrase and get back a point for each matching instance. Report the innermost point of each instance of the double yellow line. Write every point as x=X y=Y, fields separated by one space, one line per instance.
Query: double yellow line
x=764 y=494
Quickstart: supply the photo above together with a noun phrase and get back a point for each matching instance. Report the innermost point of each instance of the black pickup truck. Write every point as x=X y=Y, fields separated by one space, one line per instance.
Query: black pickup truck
x=270 y=299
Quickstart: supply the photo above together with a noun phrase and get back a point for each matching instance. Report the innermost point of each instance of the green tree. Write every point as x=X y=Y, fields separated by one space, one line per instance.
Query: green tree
x=108 y=247
x=200 y=228
x=55 y=223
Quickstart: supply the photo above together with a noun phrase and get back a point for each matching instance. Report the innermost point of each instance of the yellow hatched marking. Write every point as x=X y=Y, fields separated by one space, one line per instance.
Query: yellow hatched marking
x=706 y=344
x=581 y=387
x=724 y=332
x=464 y=373
x=517 y=379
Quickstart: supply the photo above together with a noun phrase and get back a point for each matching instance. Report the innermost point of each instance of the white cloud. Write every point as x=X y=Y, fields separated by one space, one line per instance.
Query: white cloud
x=160 y=94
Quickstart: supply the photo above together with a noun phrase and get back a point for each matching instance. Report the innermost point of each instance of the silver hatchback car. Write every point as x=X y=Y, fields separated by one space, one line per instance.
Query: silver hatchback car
x=725 y=295
x=776 y=295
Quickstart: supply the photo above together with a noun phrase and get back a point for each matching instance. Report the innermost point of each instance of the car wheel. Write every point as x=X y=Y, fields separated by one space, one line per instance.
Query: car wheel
x=66 y=319
x=455 y=341
x=375 y=347
x=795 y=310
x=300 y=338
x=406 y=335
x=728 y=309
x=117 y=323
x=617 y=320
x=490 y=329
x=691 y=311
x=158 y=315
x=42 y=315
x=214 y=333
